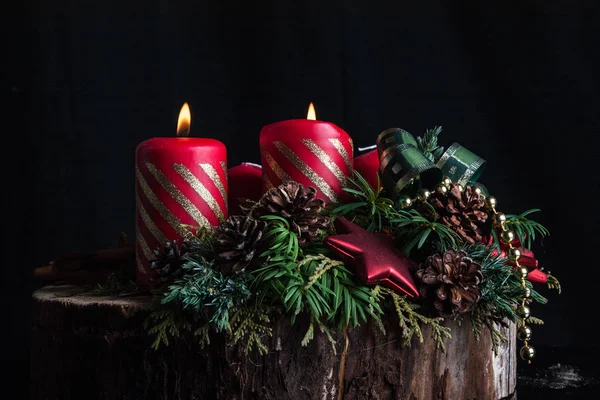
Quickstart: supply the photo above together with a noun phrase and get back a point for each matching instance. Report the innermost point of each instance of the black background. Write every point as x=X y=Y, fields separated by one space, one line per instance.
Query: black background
x=515 y=82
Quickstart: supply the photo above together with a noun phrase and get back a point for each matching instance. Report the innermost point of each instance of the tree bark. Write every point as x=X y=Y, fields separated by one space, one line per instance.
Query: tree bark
x=96 y=348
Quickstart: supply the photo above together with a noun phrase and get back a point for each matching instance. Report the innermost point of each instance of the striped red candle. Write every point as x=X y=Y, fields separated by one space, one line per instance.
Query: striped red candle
x=311 y=152
x=180 y=182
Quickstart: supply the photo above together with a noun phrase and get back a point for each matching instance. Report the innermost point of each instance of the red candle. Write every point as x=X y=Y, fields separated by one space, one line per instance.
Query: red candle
x=179 y=181
x=245 y=182
x=367 y=164
x=313 y=153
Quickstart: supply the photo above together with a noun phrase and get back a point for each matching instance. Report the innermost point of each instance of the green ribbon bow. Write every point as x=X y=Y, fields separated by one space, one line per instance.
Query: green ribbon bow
x=401 y=164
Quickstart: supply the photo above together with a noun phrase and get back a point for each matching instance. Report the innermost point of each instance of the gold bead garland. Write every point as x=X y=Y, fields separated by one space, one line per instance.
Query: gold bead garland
x=507 y=236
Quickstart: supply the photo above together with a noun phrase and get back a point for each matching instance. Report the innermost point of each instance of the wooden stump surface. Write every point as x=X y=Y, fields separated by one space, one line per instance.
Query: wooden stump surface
x=96 y=348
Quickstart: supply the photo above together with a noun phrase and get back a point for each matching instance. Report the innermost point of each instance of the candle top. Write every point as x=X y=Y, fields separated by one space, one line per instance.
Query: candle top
x=301 y=129
x=182 y=142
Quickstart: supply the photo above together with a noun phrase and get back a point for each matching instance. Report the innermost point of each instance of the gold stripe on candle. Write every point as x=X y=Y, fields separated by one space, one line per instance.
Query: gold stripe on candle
x=149 y=254
x=224 y=167
x=176 y=194
x=279 y=172
x=326 y=160
x=160 y=207
x=158 y=235
x=140 y=266
x=200 y=189
x=216 y=180
x=307 y=171
x=342 y=150
x=268 y=184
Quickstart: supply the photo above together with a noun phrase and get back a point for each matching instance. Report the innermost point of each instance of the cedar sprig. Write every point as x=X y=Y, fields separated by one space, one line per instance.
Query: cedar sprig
x=428 y=144
x=524 y=228
x=250 y=325
x=413 y=230
x=553 y=283
x=411 y=320
x=166 y=323
x=369 y=208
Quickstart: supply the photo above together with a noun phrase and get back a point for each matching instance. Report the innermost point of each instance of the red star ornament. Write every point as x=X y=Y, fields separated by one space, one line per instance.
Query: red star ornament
x=374 y=256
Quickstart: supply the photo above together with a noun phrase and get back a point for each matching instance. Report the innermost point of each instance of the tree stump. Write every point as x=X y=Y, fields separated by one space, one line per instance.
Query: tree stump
x=96 y=348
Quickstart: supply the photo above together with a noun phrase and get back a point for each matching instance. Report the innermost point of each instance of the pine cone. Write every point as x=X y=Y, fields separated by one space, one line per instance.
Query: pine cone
x=169 y=260
x=451 y=281
x=238 y=242
x=298 y=205
x=462 y=211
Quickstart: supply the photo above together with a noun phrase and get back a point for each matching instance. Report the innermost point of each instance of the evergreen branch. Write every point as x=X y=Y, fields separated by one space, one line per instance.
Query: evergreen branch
x=283 y=240
x=413 y=230
x=535 y=321
x=113 y=285
x=410 y=321
x=428 y=144
x=553 y=283
x=310 y=332
x=202 y=289
x=250 y=324
x=501 y=292
x=324 y=264
x=369 y=209
x=165 y=324
x=324 y=329
x=524 y=228
x=202 y=334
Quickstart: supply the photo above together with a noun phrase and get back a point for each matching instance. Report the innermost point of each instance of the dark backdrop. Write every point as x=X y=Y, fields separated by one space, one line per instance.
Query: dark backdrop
x=516 y=83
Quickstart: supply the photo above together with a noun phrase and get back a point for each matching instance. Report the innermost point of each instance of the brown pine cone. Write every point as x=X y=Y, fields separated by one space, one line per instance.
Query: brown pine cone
x=451 y=281
x=169 y=260
x=298 y=205
x=462 y=211
x=237 y=243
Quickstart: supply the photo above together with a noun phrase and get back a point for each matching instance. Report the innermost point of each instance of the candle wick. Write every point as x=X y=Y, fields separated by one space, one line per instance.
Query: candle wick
x=367 y=148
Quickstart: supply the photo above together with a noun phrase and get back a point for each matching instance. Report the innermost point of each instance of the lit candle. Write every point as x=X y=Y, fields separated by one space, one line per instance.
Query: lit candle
x=179 y=181
x=313 y=153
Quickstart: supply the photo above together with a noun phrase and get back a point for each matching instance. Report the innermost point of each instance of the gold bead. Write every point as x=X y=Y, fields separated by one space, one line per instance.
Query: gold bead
x=523 y=272
x=500 y=218
x=461 y=188
x=446 y=181
x=406 y=202
x=423 y=194
x=443 y=189
x=491 y=202
x=526 y=292
x=524 y=333
x=527 y=353
x=523 y=311
x=507 y=237
x=514 y=254
x=478 y=191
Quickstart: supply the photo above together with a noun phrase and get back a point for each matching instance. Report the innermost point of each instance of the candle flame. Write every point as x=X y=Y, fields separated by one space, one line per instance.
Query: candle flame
x=184 y=121
x=311 y=114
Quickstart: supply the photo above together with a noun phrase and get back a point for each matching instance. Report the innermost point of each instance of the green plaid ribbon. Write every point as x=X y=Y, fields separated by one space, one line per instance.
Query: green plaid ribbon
x=461 y=165
x=401 y=164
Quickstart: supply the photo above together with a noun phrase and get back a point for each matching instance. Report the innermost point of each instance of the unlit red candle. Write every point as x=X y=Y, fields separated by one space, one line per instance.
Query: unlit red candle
x=367 y=165
x=245 y=183
x=180 y=182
